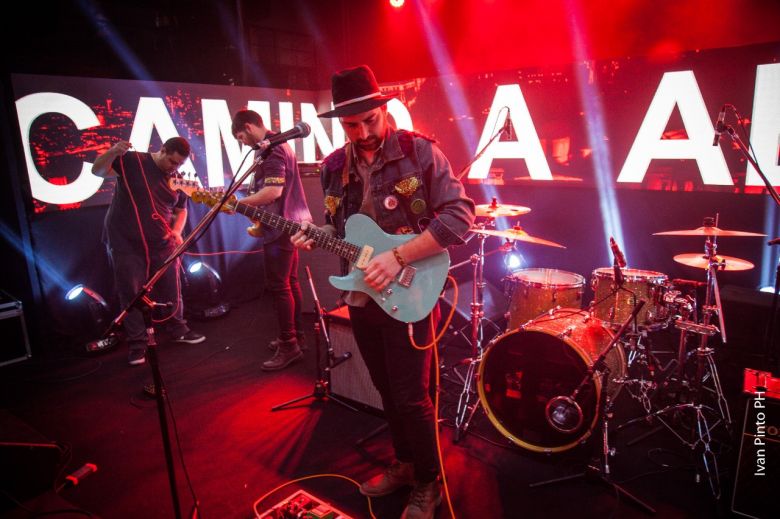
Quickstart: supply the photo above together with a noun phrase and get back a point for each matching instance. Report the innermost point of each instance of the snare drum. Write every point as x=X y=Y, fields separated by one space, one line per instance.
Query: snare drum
x=537 y=290
x=640 y=285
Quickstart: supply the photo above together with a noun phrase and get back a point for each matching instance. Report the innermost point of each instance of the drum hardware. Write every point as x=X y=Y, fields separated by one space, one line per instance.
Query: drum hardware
x=465 y=407
x=690 y=390
x=563 y=412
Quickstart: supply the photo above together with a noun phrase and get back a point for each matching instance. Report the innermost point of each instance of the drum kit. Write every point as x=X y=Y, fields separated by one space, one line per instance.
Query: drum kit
x=546 y=380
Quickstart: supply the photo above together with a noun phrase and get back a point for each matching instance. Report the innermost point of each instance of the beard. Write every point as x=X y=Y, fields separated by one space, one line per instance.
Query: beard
x=370 y=144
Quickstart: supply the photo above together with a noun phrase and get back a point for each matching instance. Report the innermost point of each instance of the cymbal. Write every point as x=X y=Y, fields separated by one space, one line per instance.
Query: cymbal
x=495 y=209
x=707 y=231
x=516 y=233
x=697 y=259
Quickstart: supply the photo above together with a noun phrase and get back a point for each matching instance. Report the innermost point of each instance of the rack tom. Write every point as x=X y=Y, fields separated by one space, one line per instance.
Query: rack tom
x=535 y=291
x=613 y=307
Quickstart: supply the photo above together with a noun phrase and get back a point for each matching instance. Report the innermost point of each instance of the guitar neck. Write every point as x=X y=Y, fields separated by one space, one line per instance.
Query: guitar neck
x=321 y=238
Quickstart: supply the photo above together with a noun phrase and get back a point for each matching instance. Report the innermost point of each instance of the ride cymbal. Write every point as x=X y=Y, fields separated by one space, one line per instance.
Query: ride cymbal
x=697 y=259
x=516 y=233
x=707 y=230
x=495 y=209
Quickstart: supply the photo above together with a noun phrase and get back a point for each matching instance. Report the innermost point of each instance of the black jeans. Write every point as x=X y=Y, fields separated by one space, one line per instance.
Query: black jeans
x=281 y=277
x=130 y=275
x=402 y=376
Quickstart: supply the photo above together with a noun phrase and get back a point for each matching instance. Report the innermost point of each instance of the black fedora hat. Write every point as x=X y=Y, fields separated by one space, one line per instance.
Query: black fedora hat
x=355 y=91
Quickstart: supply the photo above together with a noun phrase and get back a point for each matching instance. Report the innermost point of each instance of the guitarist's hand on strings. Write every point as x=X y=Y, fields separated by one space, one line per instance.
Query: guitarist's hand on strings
x=381 y=270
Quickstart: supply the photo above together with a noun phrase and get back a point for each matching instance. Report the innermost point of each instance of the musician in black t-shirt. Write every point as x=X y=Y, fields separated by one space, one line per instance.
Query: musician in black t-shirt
x=142 y=228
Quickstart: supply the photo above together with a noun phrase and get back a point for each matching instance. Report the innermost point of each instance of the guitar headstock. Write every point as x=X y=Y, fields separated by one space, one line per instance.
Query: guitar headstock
x=199 y=195
x=188 y=187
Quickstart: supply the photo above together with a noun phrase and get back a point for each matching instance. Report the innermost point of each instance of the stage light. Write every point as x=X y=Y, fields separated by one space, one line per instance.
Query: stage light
x=202 y=292
x=769 y=288
x=397 y=3
x=513 y=262
x=86 y=316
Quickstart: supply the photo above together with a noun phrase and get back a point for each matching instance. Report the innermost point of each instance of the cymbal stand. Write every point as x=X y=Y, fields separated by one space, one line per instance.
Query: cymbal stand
x=699 y=437
x=466 y=410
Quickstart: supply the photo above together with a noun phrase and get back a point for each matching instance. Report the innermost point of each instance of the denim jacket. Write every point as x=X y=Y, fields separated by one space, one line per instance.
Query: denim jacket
x=413 y=190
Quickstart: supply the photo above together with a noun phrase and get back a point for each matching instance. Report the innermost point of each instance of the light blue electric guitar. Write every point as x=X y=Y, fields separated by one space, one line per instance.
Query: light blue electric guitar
x=409 y=298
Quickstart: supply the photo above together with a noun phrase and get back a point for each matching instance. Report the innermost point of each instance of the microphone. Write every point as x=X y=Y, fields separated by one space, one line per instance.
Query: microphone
x=618 y=263
x=619 y=258
x=300 y=130
x=719 y=125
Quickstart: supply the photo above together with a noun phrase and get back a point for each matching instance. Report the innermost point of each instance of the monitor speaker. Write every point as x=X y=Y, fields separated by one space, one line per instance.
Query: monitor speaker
x=350 y=379
x=28 y=470
x=755 y=482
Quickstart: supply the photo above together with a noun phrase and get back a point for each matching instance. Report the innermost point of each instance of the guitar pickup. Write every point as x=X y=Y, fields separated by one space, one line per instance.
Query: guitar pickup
x=406 y=276
x=364 y=257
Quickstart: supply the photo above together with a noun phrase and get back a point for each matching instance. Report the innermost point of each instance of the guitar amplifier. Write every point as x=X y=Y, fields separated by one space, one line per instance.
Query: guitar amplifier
x=757 y=476
x=349 y=379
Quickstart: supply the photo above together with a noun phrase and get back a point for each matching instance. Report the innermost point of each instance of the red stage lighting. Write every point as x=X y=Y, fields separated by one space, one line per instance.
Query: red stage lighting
x=397 y=3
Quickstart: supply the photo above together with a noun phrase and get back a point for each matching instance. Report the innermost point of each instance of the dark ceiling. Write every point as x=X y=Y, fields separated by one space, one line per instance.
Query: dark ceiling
x=298 y=43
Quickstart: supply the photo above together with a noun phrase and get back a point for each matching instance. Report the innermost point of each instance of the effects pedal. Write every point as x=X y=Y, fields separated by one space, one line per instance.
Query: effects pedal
x=302 y=505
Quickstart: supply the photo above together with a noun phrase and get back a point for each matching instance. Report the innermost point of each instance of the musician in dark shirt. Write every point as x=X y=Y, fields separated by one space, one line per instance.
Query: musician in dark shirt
x=142 y=228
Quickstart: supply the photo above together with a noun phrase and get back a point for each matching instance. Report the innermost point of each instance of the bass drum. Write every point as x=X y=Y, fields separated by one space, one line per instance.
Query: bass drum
x=524 y=369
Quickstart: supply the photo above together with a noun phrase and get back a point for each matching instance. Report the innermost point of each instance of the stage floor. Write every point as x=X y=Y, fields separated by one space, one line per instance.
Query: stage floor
x=236 y=449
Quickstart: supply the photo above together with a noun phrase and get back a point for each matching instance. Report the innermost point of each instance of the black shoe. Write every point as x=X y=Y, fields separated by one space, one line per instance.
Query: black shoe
x=190 y=338
x=136 y=357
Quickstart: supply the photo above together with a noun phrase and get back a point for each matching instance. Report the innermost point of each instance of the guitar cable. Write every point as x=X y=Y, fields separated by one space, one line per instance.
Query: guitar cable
x=155 y=215
x=433 y=345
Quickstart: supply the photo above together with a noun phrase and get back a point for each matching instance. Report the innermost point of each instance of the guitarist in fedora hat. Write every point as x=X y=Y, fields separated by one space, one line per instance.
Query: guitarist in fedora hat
x=403 y=182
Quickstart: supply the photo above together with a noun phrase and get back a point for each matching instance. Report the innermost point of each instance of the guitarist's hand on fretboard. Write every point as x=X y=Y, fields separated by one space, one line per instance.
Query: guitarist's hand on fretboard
x=302 y=238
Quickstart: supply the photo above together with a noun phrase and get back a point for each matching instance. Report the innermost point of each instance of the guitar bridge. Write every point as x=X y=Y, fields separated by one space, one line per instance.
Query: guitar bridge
x=406 y=276
x=364 y=257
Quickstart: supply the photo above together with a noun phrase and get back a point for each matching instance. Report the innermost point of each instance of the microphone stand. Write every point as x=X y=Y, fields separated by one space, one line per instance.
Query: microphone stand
x=769 y=334
x=322 y=383
x=144 y=304
x=770 y=347
x=601 y=471
x=481 y=152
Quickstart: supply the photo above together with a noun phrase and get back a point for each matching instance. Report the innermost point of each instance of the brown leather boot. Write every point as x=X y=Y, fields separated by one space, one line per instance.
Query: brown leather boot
x=395 y=476
x=423 y=500
x=287 y=353
x=274 y=344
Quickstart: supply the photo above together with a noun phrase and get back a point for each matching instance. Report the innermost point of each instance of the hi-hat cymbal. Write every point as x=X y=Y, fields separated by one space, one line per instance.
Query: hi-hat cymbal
x=697 y=259
x=708 y=230
x=516 y=233
x=495 y=209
